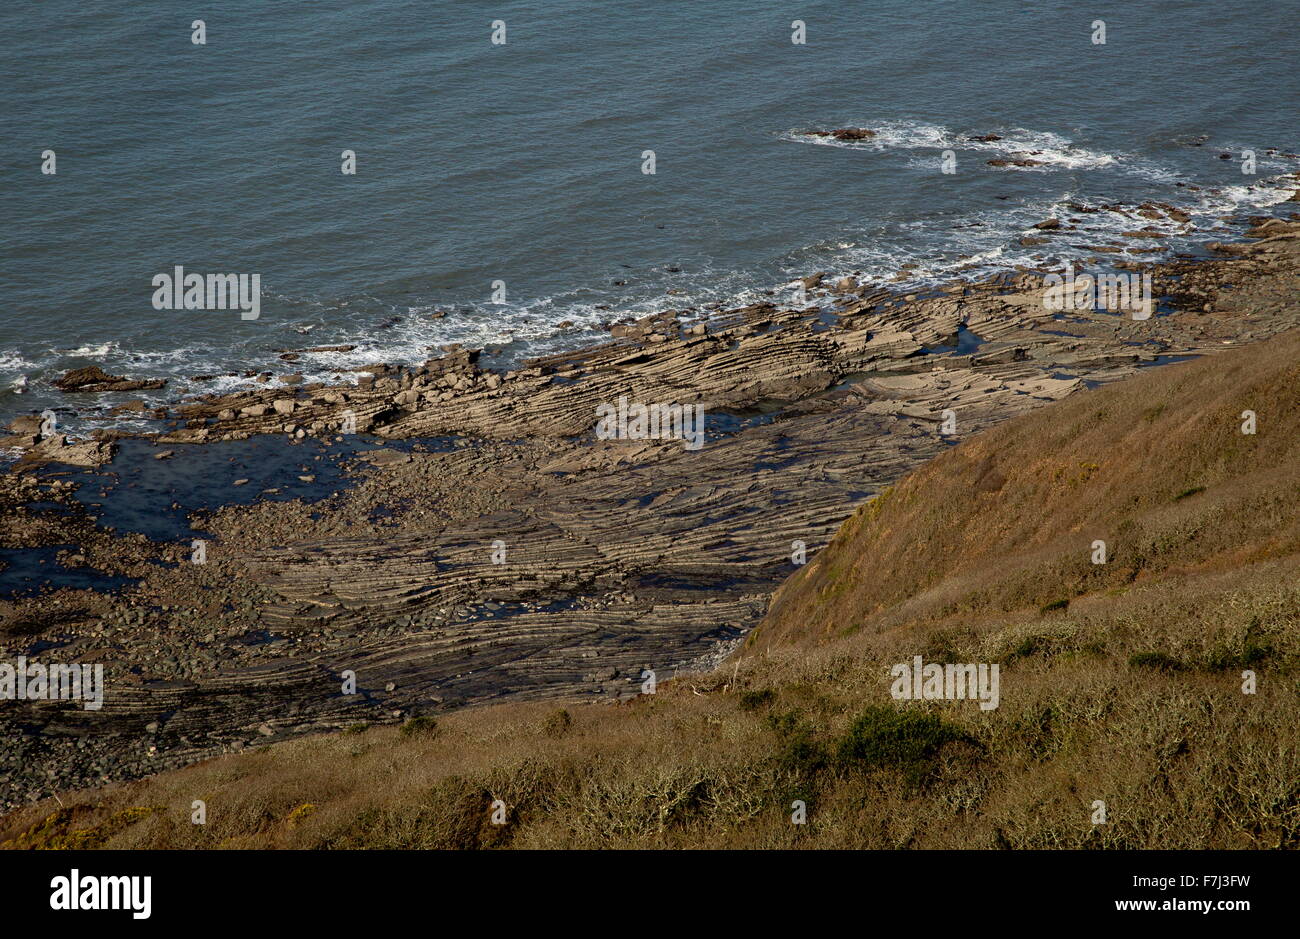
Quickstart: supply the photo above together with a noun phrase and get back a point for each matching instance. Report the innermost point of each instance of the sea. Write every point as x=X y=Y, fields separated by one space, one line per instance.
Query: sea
x=526 y=173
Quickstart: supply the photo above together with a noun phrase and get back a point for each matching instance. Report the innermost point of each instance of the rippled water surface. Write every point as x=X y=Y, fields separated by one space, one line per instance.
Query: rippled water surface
x=522 y=162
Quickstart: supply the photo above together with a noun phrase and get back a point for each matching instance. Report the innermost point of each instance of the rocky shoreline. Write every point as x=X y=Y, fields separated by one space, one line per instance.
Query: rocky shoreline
x=484 y=544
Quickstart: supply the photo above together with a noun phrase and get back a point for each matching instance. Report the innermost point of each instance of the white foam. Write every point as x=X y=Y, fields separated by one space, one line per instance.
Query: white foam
x=11 y=362
x=937 y=248
x=1047 y=148
x=103 y=348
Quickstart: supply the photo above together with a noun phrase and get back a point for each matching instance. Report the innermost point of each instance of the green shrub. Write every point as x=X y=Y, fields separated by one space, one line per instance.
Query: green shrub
x=887 y=738
x=800 y=753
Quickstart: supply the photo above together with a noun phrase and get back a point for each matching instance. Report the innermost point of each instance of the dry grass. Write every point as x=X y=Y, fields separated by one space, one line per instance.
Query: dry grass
x=1131 y=693
x=1156 y=467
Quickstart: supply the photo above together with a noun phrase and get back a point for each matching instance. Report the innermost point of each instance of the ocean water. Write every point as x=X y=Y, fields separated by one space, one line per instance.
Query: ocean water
x=522 y=162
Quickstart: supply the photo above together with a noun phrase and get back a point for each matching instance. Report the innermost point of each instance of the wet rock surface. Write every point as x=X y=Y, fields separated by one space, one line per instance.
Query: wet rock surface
x=94 y=379
x=845 y=133
x=447 y=535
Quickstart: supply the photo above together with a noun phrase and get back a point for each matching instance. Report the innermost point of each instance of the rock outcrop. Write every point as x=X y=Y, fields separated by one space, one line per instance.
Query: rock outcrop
x=93 y=378
x=488 y=545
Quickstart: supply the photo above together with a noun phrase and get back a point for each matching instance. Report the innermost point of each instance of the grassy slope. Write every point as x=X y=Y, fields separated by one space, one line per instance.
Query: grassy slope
x=1129 y=694
x=1158 y=468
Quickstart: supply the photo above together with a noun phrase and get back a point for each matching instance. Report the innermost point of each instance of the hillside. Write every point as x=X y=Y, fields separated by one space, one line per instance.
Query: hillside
x=1157 y=468
x=1120 y=682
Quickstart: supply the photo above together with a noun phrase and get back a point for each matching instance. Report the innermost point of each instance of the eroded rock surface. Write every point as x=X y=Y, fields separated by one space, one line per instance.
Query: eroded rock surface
x=489 y=545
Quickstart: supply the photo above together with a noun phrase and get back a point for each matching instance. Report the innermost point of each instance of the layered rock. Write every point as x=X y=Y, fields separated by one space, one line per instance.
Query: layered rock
x=490 y=546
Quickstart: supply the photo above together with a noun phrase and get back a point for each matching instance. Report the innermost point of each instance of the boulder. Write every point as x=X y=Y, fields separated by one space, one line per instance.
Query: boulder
x=26 y=425
x=845 y=133
x=57 y=448
x=93 y=378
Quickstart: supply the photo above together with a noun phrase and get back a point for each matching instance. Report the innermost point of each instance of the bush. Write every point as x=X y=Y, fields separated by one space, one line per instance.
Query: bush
x=886 y=738
x=1156 y=660
x=1029 y=646
x=800 y=753
x=1251 y=654
x=557 y=723
x=753 y=700
x=423 y=726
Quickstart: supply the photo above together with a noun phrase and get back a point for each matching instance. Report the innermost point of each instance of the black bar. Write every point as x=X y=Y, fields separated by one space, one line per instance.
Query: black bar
x=585 y=890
